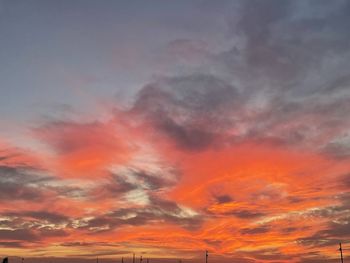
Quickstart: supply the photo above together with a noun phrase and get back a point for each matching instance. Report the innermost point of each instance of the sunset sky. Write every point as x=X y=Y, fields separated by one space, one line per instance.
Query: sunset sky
x=166 y=128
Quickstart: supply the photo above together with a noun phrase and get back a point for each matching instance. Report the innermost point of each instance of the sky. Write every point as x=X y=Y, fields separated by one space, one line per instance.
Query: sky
x=168 y=128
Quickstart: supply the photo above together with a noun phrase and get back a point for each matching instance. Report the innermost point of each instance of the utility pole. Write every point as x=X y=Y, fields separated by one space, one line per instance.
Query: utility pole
x=148 y=260
x=206 y=256
x=133 y=258
x=22 y=260
x=341 y=253
x=122 y=259
x=97 y=260
x=141 y=259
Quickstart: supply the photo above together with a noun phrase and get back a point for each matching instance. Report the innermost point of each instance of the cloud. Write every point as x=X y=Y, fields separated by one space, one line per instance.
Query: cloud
x=158 y=211
x=187 y=51
x=131 y=179
x=285 y=42
x=83 y=148
x=190 y=110
x=336 y=228
x=222 y=199
x=246 y=214
x=22 y=179
x=51 y=217
x=203 y=110
x=261 y=123
x=19 y=234
x=19 y=183
x=255 y=231
x=12 y=244
x=113 y=187
x=266 y=254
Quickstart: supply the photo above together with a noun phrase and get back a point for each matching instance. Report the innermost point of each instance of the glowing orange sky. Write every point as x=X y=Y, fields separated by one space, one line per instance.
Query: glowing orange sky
x=236 y=143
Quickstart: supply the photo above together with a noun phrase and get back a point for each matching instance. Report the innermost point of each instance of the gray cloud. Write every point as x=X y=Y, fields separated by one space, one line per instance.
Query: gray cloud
x=12 y=244
x=22 y=182
x=133 y=178
x=190 y=110
x=222 y=199
x=40 y=215
x=246 y=214
x=254 y=231
x=50 y=232
x=19 y=235
x=113 y=187
x=158 y=211
x=336 y=232
x=285 y=42
x=284 y=82
x=267 y=254
x=287 y=89
x=19 y=183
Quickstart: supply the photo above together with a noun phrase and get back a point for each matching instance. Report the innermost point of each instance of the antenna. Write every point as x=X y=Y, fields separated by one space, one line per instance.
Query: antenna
x=341 y=253
x=206 y=256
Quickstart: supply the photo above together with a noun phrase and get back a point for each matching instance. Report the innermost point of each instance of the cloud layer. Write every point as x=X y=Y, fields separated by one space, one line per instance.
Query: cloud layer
x=245 y=155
